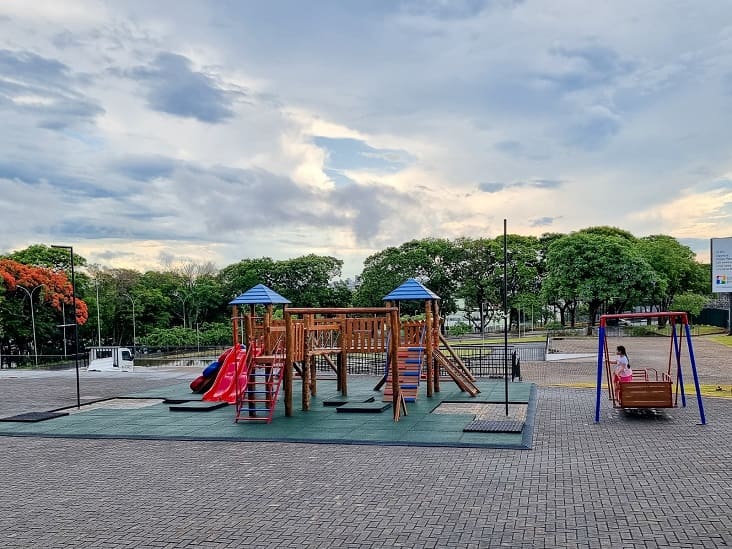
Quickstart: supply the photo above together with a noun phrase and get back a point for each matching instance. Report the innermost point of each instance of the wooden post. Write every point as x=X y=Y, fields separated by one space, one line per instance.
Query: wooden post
x=346 y=328
x=308 y=319
x=428 y=345
x=268 y=330
x=393 y=362
x=313 y=377
x=234 y=326
x=289 y=353
x=436 y=338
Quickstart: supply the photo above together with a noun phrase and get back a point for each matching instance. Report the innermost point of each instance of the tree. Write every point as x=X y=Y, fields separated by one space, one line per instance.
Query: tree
x=598 y=269
x=674 y=264
x=479 y=266
x=56 y=293
x=240 y=277
x=306 y=280
x=432 y=261
x=689 y=303
x=40 y=255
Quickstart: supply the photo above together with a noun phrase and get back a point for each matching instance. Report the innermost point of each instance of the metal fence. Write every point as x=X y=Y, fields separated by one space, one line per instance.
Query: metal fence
x=483 y=360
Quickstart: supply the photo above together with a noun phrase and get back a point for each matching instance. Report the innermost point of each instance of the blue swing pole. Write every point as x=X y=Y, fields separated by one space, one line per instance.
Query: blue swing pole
x=693 y=370
x=679 y=372
x=600 y=349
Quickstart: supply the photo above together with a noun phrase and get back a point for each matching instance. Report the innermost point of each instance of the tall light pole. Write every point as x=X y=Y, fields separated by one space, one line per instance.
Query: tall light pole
x=76 y=323
x=134 y=338
x=99 y=323
x=33 y=316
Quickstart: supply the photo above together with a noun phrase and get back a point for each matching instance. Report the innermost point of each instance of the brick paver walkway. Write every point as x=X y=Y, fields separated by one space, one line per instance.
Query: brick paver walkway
x=627 y=482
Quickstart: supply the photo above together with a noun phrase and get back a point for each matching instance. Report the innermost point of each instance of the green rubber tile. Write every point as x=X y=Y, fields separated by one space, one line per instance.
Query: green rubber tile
x=321 y=424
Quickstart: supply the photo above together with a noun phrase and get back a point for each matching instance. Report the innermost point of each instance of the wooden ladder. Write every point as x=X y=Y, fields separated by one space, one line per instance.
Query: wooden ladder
x=256 y=401
x=458 y=372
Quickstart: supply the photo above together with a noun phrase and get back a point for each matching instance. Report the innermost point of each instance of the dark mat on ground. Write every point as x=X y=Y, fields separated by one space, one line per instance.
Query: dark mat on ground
x=335 y=402
x=368 y=407
x=197 y=406
x=492 y=426
x=180 y=400
x=32 y=417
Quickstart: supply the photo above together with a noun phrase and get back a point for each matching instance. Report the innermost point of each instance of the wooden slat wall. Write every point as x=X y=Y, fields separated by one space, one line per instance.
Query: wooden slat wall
x=365 y=335
x=412 y=332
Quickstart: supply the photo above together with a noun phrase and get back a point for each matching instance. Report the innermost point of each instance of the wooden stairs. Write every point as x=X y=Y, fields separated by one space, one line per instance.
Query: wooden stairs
x=409 y=364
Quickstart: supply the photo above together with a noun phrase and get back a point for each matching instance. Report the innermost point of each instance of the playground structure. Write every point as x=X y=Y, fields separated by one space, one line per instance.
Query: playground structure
x=648 y=387
x=278 y=349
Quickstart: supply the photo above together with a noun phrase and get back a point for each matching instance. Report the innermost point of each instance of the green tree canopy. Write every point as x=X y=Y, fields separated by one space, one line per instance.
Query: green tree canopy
x=598 y=269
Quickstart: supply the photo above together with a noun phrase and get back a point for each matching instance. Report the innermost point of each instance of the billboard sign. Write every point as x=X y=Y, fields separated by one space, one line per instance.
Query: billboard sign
x=721 y=265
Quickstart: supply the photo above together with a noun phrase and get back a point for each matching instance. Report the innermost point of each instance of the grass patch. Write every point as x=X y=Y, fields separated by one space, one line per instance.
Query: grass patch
x=722 y=339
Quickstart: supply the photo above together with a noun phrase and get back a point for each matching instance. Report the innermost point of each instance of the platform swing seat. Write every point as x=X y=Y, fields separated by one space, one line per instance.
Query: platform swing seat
x=648 y=387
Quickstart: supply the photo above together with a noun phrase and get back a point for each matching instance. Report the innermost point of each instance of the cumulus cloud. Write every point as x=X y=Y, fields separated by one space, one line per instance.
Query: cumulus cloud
x=495 y=187
x=228 y=130
x=175 y=88
x=45 y=90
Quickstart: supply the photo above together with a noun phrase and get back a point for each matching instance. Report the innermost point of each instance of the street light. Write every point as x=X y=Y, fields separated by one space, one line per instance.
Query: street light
x=134 y=338
x=99 y=323
x=33 y=316
x=76 y=323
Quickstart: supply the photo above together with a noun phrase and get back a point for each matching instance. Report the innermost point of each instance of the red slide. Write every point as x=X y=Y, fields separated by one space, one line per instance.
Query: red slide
x=224 y=388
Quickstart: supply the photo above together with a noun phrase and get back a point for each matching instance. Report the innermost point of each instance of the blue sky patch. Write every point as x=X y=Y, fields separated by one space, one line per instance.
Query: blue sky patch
x=353 y=154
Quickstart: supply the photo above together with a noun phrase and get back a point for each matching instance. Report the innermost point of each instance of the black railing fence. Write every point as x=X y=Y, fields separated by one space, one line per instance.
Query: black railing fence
x=483 y=360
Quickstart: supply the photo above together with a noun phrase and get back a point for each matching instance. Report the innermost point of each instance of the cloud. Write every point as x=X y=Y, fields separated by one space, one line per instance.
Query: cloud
x=144 y=168
x=495 y=187
x=227 y=130
x=173 y=87
x=354 y=154
x=542 y=221
x=44 y=89
x=492 y=187
x=586 y=66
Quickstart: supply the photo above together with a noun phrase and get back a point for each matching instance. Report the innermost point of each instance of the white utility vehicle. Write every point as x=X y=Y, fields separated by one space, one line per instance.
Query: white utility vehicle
x=110 y=359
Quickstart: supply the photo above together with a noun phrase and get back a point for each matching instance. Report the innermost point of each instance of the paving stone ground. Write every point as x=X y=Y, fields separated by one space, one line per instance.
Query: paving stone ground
x=650 y=481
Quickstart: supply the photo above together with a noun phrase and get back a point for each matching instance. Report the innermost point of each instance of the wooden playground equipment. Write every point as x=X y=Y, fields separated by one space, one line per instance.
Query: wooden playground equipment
x=648 y=387
x=290 y=346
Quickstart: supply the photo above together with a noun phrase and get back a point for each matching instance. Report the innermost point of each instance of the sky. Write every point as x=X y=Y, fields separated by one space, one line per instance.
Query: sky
x=149 y=133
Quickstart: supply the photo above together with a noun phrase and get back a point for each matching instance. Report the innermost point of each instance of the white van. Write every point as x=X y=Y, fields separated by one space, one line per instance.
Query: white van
x=110 y=359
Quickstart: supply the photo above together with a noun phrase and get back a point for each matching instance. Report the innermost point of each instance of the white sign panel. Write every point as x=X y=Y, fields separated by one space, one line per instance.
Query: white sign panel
x=721 y=265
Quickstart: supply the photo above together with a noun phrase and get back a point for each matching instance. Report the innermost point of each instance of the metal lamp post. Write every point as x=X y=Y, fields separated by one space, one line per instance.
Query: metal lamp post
x=76 y=323
x=99 y=323
x=33 y=316
x=134 y=338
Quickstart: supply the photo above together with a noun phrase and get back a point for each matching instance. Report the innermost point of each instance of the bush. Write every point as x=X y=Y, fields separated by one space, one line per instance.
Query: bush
x=459 y=329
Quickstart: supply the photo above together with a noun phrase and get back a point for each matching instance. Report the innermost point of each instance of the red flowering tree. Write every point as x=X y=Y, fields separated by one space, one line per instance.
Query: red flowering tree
x=56 y=290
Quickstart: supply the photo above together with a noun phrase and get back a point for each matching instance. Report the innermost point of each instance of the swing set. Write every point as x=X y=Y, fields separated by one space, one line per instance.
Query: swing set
x=649 y=388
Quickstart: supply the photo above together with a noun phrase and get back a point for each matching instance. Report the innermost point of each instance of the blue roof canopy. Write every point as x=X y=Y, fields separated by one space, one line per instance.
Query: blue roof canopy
x=411 y=289
x=259 y=295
